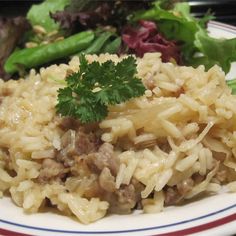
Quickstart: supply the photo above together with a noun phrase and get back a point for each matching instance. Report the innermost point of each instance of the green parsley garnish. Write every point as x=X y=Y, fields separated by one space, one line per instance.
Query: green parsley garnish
x=89 y=91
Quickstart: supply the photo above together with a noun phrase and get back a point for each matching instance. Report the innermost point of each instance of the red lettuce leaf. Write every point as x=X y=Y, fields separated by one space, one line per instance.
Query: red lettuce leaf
x=11 y=32
x=84 y=19
x=90 y=14
x=146 y=38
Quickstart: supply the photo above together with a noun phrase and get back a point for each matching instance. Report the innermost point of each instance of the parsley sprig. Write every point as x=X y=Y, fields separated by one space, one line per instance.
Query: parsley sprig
x=89 y=91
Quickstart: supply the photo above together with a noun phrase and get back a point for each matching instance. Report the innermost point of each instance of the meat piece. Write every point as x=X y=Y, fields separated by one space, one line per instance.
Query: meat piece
x=86 y=143
x=126 y=199
x=127 y=195
x=197 y=178
x=139 y=187
x=107 y=181
x=175 y=194
x=219 y=156
x=78 y=143
x=172 y=196
x=123 y=200
x=70 y=123
x=75 y=143
x=93 y=190
x=105 y=157
x=106 y=164
x=221 y=175
x=51 y=170
x=65 y=155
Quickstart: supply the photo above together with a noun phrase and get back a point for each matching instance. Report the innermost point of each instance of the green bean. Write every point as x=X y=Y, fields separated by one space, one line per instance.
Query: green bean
x=232 y=85
x=98 y=43
x=32 y=57
x=113 y=46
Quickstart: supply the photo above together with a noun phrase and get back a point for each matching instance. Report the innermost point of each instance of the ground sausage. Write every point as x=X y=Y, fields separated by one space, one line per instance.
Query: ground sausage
x=105 y=157
x=51 y=170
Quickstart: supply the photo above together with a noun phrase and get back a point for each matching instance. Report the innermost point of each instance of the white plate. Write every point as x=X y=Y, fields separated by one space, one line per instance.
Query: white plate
x=213 y=215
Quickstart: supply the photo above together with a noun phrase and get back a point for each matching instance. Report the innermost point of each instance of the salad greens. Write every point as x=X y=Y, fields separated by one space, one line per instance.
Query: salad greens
x=89 y=91
x=122 y=27
x=83 y=14
x=112 y=46
x=187 y=35
x=40 y=14
x=215 y=51
x=171 y=23
x=32 y=57
x=98 y=43
x=197 y=46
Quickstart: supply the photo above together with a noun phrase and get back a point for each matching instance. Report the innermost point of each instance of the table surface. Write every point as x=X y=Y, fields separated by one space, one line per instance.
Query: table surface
x=224 y=10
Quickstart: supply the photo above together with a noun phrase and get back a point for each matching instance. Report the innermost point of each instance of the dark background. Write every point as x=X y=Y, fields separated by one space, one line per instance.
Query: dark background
x=225 y=10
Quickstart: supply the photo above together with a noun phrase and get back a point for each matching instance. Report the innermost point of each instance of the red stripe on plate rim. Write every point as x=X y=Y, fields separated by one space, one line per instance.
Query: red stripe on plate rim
x=202 y=227
x=5 y=232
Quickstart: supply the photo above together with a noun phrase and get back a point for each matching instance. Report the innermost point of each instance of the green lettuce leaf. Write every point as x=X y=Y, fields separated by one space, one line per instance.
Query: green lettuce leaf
x=197 y=47
x=39 y=14
x=215 y=51
x=175 y=24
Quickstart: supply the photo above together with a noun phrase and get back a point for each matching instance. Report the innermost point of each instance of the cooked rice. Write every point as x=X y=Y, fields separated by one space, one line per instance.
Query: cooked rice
x=173 y=143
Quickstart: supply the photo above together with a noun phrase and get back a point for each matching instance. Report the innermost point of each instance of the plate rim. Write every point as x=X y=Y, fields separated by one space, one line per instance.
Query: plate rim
x=222 y=26
x=196 y=228
x=190 y=230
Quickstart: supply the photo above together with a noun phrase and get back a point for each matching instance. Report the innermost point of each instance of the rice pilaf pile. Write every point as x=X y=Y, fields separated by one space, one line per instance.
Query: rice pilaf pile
x=172 y=144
